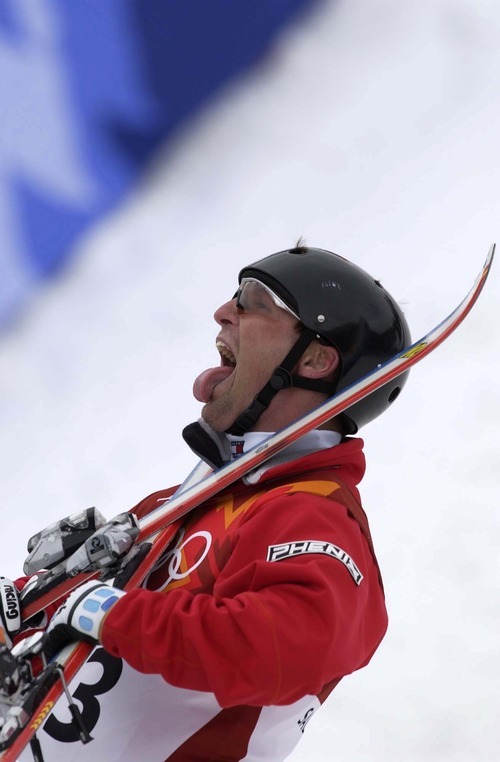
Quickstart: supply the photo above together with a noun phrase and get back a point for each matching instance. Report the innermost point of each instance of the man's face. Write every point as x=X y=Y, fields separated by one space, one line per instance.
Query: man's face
x=253 y=340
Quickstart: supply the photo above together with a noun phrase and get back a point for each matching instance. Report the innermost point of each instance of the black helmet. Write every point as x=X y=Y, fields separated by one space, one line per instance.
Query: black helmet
x=346 y=307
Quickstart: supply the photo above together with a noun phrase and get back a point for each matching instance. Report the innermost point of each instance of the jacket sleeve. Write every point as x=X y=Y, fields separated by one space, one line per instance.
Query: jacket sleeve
x=272 y=631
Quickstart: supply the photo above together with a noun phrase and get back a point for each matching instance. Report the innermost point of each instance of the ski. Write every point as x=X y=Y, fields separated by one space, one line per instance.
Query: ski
x=160 y=525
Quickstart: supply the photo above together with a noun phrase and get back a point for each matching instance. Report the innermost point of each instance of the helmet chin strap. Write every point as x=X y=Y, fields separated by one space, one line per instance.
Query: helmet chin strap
x=282 y=378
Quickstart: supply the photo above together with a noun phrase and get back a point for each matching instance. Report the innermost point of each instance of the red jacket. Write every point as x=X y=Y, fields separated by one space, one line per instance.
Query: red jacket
x=271 y=595
x=251 y=630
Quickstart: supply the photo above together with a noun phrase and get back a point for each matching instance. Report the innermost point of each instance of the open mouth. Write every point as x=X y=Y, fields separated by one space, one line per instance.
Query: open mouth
x=228 y=360
x=206 y=382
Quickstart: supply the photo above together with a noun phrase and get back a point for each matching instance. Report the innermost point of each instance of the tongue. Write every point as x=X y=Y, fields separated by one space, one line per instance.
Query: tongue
x=206 y=381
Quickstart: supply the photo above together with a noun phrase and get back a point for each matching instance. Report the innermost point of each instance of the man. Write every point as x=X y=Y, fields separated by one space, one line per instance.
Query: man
x=271 y=592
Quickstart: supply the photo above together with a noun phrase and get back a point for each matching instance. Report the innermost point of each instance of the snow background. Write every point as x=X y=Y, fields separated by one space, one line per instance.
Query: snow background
x=373 y=130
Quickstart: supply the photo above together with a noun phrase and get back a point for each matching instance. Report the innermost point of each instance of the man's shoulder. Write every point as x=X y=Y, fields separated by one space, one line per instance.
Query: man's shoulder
x=153 y=501
x=345 y=461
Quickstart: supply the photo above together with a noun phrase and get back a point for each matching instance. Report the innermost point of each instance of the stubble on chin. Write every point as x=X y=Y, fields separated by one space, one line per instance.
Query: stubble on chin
x=219 y=416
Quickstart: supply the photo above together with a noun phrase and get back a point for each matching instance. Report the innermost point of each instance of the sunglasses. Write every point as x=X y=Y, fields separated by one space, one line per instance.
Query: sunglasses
x=254 y=296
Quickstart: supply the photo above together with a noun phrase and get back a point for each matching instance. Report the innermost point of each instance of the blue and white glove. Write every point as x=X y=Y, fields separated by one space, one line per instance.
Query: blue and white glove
x=81 y=616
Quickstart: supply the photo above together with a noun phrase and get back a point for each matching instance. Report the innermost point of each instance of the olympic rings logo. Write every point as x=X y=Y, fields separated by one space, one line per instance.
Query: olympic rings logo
x=174 y=559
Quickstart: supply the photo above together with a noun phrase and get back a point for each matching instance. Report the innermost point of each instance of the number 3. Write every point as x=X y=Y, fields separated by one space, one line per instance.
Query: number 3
x=86 y=694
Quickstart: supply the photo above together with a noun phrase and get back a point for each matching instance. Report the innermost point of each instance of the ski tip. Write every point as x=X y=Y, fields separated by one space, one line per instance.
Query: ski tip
x=487 y=264
x=486 y=268
x=489 y=261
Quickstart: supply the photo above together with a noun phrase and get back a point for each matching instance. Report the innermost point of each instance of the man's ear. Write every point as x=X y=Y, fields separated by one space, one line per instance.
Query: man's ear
x=318 y=361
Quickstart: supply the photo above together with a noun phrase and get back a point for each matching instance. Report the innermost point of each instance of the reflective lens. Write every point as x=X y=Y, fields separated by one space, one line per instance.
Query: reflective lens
x=254 y=296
